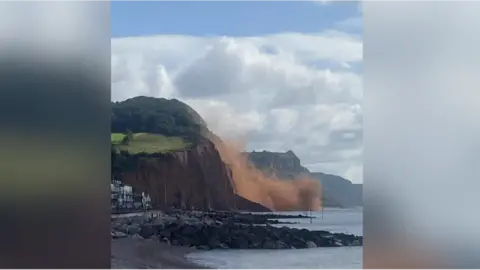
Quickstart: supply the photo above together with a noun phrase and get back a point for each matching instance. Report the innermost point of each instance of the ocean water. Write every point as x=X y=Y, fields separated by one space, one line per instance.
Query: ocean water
x=334 y=220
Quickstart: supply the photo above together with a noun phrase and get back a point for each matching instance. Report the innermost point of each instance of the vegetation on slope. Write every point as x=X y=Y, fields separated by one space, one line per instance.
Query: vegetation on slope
x=147 y=126
x=117 y=138
x=170 y=118
x=148 y=143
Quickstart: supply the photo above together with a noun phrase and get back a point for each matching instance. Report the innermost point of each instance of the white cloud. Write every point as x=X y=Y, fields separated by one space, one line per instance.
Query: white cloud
x=284 y=119
x=263 y=88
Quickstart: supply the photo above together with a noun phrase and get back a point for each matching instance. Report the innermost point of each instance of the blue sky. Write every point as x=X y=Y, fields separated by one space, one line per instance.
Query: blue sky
x=214 y=18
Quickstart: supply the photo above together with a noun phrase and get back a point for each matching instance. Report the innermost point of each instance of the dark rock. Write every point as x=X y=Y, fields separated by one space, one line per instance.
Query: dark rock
x=355 y=242
x=166 y=241
x=118 y=234
x=213 y=242
x=122 y=228
x=281 y=245
x=208 y=221
x=269 y=244
x=165 y=233
x=147 y=231
x=180 y=220
x=138 y=237
x=158 y=227
x=117 y=225
x=154 y=238
x=278 y=235
x=240 y=243
x=223 y=235
x=203 y=247
x=254 y=241
x=322 y=233
x=189 y=230
x=298 y=243
x=223 y=246
x=259 y=231
x=305 y=234
x=338 y=243
x=322 y=242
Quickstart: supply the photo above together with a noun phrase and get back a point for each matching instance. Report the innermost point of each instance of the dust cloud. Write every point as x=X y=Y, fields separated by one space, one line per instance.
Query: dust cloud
x=279 y=195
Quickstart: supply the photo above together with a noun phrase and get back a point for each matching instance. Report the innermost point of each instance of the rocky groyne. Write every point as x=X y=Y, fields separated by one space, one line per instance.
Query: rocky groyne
x=224 y=230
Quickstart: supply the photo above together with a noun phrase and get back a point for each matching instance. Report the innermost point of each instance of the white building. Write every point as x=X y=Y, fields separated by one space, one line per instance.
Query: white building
x=126 y=193
x=123 y=197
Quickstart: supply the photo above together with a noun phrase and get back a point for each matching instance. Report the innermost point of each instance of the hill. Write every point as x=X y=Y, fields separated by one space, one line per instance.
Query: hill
x=170 y=118
x=163 y=147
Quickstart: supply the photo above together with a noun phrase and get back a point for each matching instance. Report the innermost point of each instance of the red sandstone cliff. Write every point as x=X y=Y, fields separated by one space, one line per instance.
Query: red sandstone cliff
x=195 y=178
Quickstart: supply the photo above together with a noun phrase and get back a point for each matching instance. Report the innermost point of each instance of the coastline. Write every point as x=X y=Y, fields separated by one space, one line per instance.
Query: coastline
x=130 y=253
x=164 y=239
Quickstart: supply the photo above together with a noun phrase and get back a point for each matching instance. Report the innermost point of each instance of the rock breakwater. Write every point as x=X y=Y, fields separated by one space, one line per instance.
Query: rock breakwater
x=224 y=230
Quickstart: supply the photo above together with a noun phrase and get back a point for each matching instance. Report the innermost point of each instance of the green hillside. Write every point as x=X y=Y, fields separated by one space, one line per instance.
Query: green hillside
x=156 y=125
x=117 y=138
x=148 y=143
x=171 y=118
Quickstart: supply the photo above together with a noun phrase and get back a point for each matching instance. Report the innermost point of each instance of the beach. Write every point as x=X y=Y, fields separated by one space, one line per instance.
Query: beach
x=130 y=253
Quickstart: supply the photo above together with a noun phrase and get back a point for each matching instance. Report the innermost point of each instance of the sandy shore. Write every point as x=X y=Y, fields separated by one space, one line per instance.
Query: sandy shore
x=128 y=253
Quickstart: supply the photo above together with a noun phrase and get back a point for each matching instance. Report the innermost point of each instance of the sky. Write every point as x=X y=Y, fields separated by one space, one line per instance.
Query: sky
x=277 y=75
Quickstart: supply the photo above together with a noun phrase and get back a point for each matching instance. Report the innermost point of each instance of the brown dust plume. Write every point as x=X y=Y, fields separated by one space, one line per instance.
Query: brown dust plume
x=280 y=195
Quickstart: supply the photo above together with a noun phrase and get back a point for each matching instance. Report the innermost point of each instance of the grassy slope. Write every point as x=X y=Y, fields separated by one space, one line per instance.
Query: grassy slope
x=117 y=138
x=149 y=143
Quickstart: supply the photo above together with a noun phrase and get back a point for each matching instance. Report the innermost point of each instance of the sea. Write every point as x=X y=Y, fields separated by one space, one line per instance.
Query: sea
x=332 y=219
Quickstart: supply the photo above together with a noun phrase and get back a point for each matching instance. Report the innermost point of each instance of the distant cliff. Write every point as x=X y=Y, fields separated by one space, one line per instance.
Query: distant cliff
x=283 y=165
x=336 y=191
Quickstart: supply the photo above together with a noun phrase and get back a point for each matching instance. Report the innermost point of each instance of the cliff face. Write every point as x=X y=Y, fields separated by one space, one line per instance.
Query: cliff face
x=195 y=178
